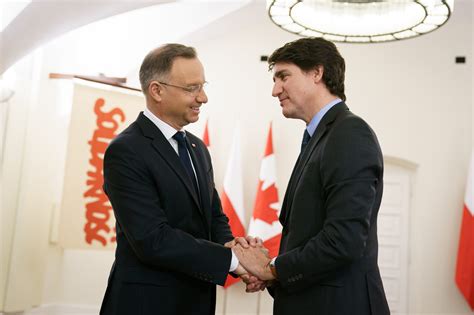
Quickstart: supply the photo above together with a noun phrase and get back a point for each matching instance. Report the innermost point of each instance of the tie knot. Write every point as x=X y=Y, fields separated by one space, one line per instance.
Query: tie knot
x=179 y=136
x=306 y=138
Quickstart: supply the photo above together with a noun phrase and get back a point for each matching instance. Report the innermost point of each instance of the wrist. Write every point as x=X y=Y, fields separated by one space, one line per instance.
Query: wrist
x=240 y=270
x=273 y=268
x=272 y=273
x=234 y=262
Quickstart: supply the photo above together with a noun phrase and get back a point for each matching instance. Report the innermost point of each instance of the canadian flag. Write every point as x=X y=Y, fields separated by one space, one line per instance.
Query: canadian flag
x=465 y=261
x=232 y=196
x=264 y=222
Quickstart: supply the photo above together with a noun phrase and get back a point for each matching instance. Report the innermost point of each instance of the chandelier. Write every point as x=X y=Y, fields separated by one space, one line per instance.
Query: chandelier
x=360 y=21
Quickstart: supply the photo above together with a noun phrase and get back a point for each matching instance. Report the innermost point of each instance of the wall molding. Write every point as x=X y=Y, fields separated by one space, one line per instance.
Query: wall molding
x=64 y=309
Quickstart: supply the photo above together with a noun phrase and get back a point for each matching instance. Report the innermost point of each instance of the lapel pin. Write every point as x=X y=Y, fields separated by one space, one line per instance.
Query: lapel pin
x=193 y=145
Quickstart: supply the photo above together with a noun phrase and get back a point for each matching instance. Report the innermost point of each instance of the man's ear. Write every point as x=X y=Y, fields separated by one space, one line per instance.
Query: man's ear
x=155 y=90
x=318 y=73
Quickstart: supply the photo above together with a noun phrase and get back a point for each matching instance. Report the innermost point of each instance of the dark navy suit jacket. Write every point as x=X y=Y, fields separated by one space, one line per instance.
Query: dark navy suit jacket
x=169 y=254
x=328 y=253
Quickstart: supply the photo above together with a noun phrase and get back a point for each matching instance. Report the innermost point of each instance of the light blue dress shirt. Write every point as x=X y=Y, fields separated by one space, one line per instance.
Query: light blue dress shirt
x=313 y=124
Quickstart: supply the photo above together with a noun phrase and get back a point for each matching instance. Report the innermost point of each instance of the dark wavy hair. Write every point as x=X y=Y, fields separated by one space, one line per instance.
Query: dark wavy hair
x=307 y=54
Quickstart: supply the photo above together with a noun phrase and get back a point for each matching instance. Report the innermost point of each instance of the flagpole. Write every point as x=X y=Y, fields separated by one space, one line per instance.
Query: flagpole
x=258 y=302
x=225 y=302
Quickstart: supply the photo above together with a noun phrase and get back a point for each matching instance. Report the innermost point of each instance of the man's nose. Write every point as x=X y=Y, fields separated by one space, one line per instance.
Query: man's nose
x=202 y=97
x=276 y=89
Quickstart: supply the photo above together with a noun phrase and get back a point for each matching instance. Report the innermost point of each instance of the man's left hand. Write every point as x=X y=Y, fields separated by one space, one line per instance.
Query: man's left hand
x=255 y=260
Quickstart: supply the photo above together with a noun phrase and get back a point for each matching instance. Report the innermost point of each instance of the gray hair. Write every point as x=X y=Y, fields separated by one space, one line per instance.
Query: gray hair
x=157 y=64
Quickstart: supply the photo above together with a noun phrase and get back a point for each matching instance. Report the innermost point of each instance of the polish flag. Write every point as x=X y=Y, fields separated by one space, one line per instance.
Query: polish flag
x=205 y=136
x=264 y=222
x=232 y=196
x=465 y=261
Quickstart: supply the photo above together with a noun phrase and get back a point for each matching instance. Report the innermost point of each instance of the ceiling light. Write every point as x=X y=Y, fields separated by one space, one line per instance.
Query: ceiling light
x=360 y=21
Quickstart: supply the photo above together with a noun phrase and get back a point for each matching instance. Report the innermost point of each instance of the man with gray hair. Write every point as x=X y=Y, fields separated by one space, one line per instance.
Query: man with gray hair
x=172 y=237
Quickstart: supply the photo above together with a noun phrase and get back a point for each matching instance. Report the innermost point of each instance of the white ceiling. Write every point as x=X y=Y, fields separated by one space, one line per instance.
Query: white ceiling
x=166 y=20
x=44 y=20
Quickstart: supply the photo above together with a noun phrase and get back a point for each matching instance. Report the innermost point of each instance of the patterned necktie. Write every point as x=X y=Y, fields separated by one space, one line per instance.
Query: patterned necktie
x=184 y=157
x=306 y=138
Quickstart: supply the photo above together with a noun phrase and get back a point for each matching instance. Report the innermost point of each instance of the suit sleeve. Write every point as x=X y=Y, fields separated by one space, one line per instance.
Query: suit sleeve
x=136 y=204
x=351 y=167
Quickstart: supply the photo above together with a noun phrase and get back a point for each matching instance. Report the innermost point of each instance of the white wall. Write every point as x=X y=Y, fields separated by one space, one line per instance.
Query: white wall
x=417 y=100
x=36 y=142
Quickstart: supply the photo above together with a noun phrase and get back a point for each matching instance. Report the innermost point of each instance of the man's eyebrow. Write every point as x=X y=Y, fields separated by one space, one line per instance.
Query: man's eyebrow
x=195 y=83
x=280 y=74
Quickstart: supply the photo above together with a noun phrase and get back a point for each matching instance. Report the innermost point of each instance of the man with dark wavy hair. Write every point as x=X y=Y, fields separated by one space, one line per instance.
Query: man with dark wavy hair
x=328 y=253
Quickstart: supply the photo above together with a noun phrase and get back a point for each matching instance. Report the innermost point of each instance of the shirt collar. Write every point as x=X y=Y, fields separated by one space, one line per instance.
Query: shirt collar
x=313 y=124
x=166 y=129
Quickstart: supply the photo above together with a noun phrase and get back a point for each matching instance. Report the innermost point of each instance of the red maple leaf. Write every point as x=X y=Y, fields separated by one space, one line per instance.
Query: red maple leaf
x=265 y=198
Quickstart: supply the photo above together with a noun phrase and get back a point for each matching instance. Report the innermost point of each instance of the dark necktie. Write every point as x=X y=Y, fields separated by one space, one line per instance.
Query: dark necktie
x=184 y=157
x=306 y=138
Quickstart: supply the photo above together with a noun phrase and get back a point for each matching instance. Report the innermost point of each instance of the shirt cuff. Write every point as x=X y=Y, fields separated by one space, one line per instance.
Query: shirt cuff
x=234 y=263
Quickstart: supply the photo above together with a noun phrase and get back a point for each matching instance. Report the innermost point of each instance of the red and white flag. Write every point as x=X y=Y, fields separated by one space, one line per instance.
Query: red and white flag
x=205 y=136
x=232 y=196
x=465 y=261
x=264 y=222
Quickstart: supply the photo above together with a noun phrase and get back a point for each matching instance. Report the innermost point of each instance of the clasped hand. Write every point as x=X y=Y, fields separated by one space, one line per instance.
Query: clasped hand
x=253 y=266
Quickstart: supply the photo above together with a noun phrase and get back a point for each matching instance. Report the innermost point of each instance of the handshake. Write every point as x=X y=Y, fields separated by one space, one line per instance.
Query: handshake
x=254 y=262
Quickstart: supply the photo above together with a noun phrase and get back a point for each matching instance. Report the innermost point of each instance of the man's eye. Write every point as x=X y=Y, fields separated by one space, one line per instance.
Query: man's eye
x=193 y=88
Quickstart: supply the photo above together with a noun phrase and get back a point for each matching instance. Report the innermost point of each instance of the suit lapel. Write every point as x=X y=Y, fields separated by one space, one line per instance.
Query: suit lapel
x=166 y=151
x=198 y=159
x=304 y=157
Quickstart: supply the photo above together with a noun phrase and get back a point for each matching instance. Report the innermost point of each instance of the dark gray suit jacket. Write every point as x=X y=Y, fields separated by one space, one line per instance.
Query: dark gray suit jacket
x=328 y=253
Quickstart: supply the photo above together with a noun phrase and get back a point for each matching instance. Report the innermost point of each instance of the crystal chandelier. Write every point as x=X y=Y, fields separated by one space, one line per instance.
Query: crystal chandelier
x=360 y=21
